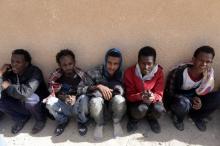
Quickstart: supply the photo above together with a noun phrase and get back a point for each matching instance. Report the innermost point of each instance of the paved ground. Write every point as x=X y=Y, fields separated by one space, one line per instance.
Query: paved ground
x=144 y=136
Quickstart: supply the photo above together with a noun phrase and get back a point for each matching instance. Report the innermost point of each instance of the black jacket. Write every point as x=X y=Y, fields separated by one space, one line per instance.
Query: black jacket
x=174 y=84
x=23 y=86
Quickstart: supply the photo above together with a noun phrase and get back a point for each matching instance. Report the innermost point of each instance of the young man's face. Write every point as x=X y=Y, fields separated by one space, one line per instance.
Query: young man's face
x=18 y=63
x=146 y=64
x=113 y=64
x=203 y=61
x=67 y=64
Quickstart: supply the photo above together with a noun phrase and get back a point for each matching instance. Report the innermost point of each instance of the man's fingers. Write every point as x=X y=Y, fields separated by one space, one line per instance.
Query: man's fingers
x=104 y=94
x=196 y=106
x=109 y=94
x=151 y=98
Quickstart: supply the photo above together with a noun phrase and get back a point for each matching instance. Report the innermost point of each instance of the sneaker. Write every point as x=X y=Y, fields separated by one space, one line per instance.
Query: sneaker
x=154 y=125
x=82 y=129
x=177 y=123
x=19 y=125
x=132 y=126
x=200 y=124
x=60 y=128
x=38 y=126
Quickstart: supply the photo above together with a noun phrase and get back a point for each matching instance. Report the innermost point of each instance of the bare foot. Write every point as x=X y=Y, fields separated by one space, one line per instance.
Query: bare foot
x=117 y=130
x=98 y=133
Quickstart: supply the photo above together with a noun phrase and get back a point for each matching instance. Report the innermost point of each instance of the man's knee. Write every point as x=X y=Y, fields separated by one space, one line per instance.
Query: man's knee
x=155 y=111
x=51 y=103
x=138 y=111
x=83 y=103
x=118 y=104
x=158 y=107
x=96 y=105
x=181 y=106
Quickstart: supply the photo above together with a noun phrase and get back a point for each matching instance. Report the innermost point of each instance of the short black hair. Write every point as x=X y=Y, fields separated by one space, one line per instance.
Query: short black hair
x=64 y=52
x=23 y=52
x=204 y=49
x=114 y=52
x=147 y=51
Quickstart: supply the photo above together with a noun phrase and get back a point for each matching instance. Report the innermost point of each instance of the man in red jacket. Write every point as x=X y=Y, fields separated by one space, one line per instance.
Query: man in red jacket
x=144 y=84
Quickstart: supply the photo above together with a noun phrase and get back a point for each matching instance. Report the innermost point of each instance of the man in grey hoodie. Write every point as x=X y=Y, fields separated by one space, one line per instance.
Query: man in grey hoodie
x=106 y=93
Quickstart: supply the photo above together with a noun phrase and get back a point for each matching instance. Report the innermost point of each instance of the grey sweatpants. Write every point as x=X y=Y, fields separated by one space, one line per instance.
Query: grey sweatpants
x=117 y=105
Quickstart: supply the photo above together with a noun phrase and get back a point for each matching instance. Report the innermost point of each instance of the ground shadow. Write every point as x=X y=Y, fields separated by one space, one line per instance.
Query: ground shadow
x=191 y=135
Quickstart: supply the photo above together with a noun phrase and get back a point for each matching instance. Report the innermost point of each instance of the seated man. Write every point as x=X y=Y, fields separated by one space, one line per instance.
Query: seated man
x=22 y=90
x=188 y=89
x=106 y=93
x=144 y=90
x=65 y=101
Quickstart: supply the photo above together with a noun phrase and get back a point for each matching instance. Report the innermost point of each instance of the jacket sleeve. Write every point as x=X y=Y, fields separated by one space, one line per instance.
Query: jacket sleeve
x=22 y=91
x=159 y=87
x=131 y=94
x=85 y=84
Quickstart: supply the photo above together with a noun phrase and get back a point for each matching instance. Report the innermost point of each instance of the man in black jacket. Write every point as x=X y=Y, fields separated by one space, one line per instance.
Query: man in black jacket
x=189 y=90
x=22 y=89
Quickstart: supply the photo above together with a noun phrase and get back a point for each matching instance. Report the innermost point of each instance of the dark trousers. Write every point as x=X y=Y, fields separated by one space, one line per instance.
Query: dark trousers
x=20 y=110
x=183 y=106
x=137 y=111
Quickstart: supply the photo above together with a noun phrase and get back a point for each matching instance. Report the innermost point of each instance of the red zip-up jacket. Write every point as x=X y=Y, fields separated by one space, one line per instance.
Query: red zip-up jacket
x=134 y=85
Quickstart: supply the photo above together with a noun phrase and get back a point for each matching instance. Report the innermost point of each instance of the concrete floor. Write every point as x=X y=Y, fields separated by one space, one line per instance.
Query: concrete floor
x=169 y=136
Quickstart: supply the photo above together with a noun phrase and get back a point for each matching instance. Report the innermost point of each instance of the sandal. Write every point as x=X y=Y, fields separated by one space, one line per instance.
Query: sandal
x=82 y=129
x=60 y=128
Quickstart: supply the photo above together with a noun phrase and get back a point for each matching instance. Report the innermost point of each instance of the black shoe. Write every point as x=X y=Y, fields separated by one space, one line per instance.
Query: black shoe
x=177 y=123
x=60 y=128
x=82 y=129
x=200 y=124
x=154 y=125
x=131 y=126
x=38 y=126
x=19 y=125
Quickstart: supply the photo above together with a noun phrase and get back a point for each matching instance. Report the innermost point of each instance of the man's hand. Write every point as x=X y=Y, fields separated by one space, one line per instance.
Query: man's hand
x=148 y=100
x=45 y=100
x=5 y=84
x=148 y=97
x=70 y=99
x=106 y=92
x=4 y=68
x=197 y=104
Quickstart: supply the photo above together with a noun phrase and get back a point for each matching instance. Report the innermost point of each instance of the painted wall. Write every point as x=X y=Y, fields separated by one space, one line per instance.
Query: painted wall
x=89 y=27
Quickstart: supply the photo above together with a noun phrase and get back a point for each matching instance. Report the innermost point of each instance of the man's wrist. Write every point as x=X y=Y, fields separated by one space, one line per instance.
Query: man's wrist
x=92 y=88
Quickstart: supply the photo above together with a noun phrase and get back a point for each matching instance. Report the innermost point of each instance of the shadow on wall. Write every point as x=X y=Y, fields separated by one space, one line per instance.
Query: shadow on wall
x=191 y=135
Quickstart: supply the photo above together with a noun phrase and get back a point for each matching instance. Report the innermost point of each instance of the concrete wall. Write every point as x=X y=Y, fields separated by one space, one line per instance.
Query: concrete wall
x=89 y=27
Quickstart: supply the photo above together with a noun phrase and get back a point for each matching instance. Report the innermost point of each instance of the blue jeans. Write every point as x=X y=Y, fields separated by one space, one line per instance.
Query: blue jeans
x=62 y=112
x=117 y=105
